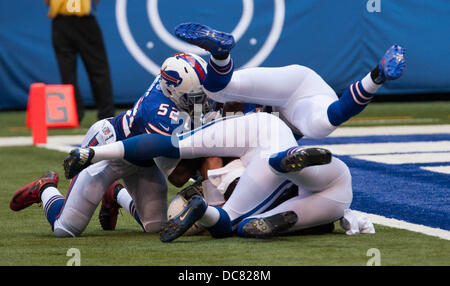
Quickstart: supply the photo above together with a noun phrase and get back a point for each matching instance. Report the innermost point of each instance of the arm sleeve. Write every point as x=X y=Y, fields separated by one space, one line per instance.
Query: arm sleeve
x=149 y=146
x=138 y=149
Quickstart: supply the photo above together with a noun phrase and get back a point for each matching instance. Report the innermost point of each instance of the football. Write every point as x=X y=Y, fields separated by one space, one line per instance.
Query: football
x=175 y=207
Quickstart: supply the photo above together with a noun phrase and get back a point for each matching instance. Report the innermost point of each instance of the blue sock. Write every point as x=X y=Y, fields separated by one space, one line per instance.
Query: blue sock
x=53 y=208
x=223 y=227
x=352 y=102
x=275 y=159
x=218 y=77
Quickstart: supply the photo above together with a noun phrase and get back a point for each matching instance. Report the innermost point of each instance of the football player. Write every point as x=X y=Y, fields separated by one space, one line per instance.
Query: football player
x=303 y=99
x=268 y=150
x=306 y=103
x=173 y=93
x=118 y=197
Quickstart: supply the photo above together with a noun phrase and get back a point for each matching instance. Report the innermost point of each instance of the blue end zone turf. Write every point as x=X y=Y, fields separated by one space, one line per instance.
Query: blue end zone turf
x=404 y=192
x=375 y=139
x=401 y=191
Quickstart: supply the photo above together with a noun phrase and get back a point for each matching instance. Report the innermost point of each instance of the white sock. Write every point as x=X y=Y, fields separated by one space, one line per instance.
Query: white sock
x=221 y=63
x=124 y=199
x=108 y=152
x=49 y=193
x=368 y=84
x=210 y=218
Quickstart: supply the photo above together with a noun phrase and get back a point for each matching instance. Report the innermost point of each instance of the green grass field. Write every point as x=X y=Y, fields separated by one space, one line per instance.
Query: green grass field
x=26 y=237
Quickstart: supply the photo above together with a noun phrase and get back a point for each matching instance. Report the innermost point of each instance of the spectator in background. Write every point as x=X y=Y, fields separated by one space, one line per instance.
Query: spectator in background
x=75 y=31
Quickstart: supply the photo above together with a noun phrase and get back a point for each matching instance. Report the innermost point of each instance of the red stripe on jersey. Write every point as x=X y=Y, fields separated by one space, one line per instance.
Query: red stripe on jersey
x=157 y=130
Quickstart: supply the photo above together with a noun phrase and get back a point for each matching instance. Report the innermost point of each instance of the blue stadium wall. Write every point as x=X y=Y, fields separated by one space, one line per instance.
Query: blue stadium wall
x=342 y=40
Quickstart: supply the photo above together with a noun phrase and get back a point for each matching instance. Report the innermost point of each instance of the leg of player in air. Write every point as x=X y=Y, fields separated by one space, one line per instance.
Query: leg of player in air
x=304 y=99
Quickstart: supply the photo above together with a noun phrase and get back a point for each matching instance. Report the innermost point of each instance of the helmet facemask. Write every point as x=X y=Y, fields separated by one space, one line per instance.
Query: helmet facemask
x=182 y=76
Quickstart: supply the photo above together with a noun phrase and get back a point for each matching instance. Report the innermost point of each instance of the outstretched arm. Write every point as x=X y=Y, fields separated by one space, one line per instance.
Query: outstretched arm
x=134 y=150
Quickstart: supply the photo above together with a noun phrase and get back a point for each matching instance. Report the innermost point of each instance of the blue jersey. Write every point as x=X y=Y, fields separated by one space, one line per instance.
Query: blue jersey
x=152 y=113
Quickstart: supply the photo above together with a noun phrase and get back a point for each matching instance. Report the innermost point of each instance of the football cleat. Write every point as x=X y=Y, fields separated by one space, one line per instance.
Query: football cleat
x=110 y=208
x=269 y=226
x=31 y=193
x=180 y=201
x=177 y=226
x=216 y=42
x=77 y=160
x=314 y=230
x=392 y=65
x=296 y=159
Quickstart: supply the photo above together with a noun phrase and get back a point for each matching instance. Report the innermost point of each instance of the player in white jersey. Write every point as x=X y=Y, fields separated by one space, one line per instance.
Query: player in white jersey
x=306 y=103
x=304 y=100
x=321 y=209
x=268 y=151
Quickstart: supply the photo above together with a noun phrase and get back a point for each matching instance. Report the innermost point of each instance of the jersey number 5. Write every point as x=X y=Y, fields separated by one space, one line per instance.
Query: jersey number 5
x=163 y=110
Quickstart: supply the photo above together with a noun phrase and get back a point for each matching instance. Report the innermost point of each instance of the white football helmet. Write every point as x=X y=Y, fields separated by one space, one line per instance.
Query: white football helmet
x=182 y=77
x=175 y=207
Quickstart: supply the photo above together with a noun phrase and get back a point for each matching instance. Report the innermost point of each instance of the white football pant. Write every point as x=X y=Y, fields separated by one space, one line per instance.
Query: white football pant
x=146 y=185
x=297 y=92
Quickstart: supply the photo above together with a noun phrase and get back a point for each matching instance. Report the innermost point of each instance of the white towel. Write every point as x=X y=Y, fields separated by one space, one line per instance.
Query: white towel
x=222 y=178
x=356 y=224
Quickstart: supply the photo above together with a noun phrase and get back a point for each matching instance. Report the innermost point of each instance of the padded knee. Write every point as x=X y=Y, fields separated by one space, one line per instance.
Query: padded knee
x=60 y=231
x=72 y=222
x=152 y=227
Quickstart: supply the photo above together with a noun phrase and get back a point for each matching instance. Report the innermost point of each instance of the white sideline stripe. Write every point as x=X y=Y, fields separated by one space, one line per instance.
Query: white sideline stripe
x=397 y=159
x=390 y=130
x=395 y=223
x=398 y=121
x=15 y=141
x=28 y=140
x=57 y=147
x=438 y=169
x=383 y=148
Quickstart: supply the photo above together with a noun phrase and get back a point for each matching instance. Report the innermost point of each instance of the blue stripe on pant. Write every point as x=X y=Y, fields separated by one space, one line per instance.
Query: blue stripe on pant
x=224 y=227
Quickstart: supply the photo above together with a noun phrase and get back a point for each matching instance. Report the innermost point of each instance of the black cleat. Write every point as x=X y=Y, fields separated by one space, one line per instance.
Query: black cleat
x=77 y=160
x=297 y=159
x=178 y=225
x=269 y=226
x=315 y=230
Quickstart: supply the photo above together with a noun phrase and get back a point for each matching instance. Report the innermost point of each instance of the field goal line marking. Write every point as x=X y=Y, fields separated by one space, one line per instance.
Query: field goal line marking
x=400 y=224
